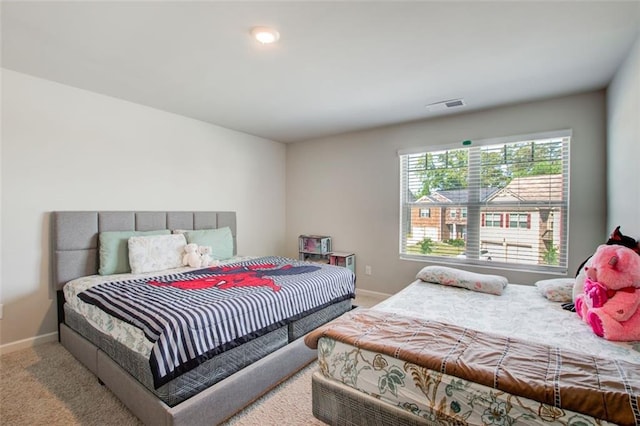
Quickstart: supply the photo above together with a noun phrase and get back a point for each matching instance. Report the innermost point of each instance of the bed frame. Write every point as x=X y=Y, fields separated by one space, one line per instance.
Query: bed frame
x=75 y=254
x=337 y=404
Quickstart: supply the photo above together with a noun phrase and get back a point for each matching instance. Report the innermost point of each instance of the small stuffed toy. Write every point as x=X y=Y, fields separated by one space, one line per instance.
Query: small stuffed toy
x=594 y=295
x=616 y=238
x=205 y=256
x=192 y=256
x=610 y=303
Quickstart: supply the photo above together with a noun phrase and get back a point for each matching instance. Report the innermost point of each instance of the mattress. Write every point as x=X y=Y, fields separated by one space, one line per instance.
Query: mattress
x=439 y=398
x=190 y=383
x=128 y=335
x=128 y=346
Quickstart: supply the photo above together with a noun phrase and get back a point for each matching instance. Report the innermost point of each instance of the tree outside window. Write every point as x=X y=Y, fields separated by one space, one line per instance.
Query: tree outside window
x=507 y=196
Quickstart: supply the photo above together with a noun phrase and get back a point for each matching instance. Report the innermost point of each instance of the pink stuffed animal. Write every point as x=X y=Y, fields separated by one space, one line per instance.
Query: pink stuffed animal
x=610 y=303
x=594 y=296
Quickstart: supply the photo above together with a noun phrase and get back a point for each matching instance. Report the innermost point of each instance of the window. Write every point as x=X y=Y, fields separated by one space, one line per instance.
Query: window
x=519 y=220
x=425 y=213
x=514 y=220
x=509 y=198
x=493 y=220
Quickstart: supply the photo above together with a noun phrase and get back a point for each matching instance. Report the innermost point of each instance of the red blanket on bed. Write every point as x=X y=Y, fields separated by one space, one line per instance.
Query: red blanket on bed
x=602 y=388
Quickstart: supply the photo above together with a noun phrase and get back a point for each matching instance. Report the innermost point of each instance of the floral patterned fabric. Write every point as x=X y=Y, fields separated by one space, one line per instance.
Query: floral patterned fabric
x=558 y=289
x=438 y=397
x=492 y=284
x=520 y=312
x=156 y=253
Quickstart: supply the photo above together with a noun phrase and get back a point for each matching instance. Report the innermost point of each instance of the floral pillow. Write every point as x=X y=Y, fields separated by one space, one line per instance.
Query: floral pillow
x=156 y=253
x=114 y=250
x=557 y=289
x=492 y=284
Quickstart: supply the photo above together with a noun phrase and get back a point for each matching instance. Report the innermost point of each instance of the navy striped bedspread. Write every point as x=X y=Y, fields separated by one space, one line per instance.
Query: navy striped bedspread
x=192 y=316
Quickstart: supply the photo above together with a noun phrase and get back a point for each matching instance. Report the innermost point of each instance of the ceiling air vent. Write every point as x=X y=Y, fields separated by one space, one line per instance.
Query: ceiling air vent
x=442 y=105
x=454 y=103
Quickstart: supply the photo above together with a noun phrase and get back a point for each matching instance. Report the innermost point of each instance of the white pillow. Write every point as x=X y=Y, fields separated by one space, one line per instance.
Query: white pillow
x=156 y=253
x=557 y=289
x=492 y=284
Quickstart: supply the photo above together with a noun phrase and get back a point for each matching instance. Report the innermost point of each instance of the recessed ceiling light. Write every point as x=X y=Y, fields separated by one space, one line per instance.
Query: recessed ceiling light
x=265 y=35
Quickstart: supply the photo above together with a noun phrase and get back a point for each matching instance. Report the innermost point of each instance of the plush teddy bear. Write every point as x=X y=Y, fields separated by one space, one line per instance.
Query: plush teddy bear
x=610 y=303
x=205 y=256
x=593 y=295
x=616 y=238
x=192 y=256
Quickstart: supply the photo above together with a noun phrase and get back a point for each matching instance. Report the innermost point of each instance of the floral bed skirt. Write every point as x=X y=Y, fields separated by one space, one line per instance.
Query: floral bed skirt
x=435 y=396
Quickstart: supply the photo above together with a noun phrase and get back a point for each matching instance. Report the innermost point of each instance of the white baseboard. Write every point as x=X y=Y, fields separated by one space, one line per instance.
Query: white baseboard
x=28 y=343
x=363 y=292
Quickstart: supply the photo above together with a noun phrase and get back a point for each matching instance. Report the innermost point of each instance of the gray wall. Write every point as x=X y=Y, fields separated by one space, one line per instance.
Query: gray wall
x=347 y=186
x=70 y=149
x=623 y=148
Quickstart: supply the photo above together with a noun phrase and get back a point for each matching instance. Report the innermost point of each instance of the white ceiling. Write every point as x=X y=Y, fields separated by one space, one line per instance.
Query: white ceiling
x=338 y=67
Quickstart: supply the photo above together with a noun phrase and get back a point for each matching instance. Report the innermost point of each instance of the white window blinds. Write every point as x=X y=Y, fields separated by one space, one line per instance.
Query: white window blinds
x=503 y=201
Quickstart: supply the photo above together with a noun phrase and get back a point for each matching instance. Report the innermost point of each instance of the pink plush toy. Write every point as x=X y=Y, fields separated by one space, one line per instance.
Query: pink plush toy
x=610 y=303
x=594 y=296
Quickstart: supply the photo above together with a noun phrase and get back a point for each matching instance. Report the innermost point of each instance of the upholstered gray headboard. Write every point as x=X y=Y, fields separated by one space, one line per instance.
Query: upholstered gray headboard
x=75 y=234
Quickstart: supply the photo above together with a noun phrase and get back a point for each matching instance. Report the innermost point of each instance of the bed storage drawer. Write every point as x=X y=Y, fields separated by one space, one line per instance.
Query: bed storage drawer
x=304 y=325
x=190 y=383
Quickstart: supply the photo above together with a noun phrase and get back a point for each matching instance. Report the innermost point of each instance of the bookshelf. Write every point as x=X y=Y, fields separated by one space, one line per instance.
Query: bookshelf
x=318 y=248
x=345 y=259
x=314 y=248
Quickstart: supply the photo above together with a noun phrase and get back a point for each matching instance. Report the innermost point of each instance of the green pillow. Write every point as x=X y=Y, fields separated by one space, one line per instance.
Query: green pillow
x=114 y=250
x=220 y=240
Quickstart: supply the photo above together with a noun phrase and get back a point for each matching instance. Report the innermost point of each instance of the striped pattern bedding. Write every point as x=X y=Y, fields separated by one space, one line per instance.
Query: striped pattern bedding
x=192 y=316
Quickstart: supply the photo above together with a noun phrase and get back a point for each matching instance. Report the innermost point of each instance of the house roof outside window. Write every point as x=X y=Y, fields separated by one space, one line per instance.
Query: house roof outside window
x=527 y=188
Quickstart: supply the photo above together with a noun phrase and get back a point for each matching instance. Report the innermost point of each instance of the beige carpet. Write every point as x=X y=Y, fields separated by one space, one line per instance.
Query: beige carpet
x=45 y=385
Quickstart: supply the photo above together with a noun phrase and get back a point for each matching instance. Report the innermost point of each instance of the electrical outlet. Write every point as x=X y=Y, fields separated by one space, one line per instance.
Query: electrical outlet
x=367 y=270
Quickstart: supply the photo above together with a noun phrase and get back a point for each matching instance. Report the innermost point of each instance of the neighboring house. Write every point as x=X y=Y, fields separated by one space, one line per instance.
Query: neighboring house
x=511 y=225
x=527 y=232
x=429 y=219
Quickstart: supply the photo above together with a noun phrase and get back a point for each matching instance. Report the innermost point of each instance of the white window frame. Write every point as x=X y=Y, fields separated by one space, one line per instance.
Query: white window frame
x=521 y=221
x=474 y=209
x=493 y=220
